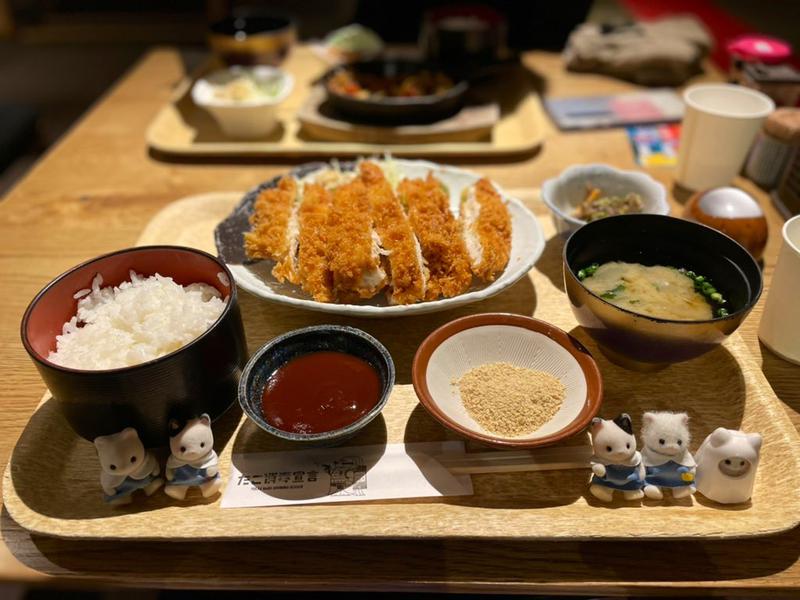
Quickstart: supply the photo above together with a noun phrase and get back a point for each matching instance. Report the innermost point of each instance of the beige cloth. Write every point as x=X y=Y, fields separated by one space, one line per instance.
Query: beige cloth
x=664 y=52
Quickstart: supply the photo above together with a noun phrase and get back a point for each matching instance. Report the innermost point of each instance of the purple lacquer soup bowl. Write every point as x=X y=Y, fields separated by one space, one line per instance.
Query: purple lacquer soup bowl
x=642 y=342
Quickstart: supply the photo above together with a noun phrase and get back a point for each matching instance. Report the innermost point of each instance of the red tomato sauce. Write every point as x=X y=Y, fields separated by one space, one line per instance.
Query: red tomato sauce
x=321 y=391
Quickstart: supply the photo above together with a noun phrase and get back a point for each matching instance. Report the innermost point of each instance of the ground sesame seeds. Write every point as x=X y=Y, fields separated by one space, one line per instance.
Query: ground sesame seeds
x=510 y=401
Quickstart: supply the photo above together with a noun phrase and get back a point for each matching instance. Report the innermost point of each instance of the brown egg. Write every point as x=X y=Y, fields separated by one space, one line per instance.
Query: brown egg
x=733 y=212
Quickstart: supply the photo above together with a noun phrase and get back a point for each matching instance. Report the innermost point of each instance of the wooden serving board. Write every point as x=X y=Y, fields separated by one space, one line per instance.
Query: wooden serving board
x=183 y=129
x=51 y=484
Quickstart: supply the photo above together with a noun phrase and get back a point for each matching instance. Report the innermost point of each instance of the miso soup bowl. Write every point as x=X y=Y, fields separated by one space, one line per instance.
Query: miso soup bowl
x=642 y=342
x=200 y=377
x=319 y=338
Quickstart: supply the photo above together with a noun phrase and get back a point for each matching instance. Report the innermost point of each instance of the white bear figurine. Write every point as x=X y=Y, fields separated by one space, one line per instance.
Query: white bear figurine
x=193 y=462
x=126 y=466
x=616 y=465
x=726 y=465
x=665 y=452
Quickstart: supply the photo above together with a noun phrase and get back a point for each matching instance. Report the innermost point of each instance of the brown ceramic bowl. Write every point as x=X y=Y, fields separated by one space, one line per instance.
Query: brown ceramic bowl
x=202 y=376
x=734 y=212
x=646 y=343
x=468 y=342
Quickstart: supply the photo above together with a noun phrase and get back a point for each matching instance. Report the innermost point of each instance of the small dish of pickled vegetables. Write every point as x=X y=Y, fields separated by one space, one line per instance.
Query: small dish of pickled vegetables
x=585 y=193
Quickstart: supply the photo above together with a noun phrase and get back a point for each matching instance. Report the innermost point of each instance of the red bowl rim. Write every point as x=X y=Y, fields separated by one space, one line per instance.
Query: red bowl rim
x=591 y=372
x=121 y=370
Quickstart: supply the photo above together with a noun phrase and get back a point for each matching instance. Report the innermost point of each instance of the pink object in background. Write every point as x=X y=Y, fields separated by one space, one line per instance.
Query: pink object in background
x=756 y=49
x=636 y=109
x=759 y=48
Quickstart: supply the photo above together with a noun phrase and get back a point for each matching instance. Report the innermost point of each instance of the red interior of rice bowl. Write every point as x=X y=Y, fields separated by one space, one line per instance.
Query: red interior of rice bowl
x=55 y=304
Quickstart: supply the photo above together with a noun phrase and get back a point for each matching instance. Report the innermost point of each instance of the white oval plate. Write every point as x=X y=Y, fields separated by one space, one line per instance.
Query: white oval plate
x=527 y=245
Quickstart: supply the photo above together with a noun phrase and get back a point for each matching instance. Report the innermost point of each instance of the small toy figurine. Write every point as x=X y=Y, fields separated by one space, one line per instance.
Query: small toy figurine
x=726 y=465
x=616 y=464
x=665 y=453
x=193 y=462
x=126 y=466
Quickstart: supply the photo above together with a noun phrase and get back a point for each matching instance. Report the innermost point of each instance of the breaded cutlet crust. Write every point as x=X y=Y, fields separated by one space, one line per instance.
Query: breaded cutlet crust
x=350 y=244
x=271 y=212
x=312 y=258
x=439 y=234
x=407 y=272
x=494 y=231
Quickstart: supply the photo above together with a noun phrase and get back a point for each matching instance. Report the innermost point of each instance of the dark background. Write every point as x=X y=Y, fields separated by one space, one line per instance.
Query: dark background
x=58 y=56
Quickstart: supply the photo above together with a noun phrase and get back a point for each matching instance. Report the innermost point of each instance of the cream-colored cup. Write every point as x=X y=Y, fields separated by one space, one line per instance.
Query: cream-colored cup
x=780 y=324
x=719 y=125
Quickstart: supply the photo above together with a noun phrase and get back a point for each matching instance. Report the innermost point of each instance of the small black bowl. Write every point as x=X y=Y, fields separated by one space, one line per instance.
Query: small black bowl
x=252 y=38
x=201 y=377
x=320 y=338
x=641 y=342
x=396 y=110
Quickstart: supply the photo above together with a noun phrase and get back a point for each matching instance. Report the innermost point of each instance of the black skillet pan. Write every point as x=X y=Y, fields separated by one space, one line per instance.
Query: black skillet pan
x=396 y=110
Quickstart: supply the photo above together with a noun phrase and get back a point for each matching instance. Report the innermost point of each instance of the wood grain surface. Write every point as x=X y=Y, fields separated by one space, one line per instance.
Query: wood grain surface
x=546 y=505
x=95 y=191
x=183 y=129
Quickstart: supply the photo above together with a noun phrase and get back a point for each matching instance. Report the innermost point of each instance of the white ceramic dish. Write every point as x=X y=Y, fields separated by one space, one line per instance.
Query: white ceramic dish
x=455 y=348
x=247 y=119
x=564 y=193
x=527 y=245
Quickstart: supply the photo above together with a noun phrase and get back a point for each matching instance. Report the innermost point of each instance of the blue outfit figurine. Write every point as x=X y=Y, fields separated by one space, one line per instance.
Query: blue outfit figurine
x=616 y=464
x=193 y=462
x=665 y=453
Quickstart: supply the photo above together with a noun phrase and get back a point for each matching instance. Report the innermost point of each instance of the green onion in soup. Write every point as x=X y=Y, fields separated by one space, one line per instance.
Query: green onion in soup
x=656 y=291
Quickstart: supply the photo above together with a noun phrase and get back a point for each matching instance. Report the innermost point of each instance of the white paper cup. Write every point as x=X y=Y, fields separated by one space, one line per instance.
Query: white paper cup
x=719 y=125
x=780 y=324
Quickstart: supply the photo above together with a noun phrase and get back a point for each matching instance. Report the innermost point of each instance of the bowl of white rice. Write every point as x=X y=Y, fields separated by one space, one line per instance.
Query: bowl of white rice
x=137 y=337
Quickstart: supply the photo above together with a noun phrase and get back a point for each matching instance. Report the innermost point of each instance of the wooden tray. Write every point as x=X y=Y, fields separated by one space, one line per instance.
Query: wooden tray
x=51 y=486
x=471 y=124
x=183 y=129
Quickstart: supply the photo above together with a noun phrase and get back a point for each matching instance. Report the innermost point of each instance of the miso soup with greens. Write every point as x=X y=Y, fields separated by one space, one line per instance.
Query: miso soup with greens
x=655 y=291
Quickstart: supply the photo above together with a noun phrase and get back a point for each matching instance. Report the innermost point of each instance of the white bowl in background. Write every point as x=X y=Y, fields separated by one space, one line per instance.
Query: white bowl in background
x=245 y=119
x=564 y=193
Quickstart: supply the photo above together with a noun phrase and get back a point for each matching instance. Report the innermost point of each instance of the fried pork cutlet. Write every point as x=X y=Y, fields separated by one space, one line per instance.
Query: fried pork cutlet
x=312 y=256
x=439 y=234
x=408 y=274
x=486 y=226
x=272 y=212
x=353 y=245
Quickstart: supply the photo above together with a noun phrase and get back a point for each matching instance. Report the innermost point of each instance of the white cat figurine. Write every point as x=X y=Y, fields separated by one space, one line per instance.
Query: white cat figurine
x=616 y=464
x=126 y=466
x=665 y=452
x=193 y=462
x=726 y=465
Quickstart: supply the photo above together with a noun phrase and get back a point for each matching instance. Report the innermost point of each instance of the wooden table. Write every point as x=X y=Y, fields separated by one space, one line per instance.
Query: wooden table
x=94 y=192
